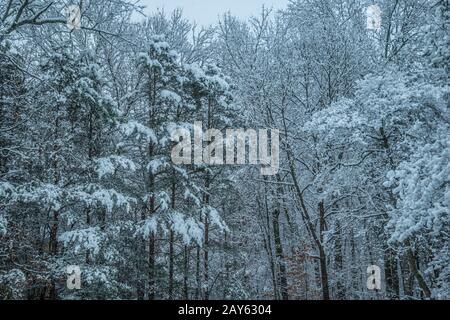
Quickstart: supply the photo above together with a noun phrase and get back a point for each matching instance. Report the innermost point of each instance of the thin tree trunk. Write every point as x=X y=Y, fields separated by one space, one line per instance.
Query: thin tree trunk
x=206 y=260
x=186 y=273
x=268 y=247
x=53 y=243
x=322 y=255
x=171 y=264
x=171 y=249
x=282 y=280
x=417 y=274
x=151 y=266
x=340 y=288
x=151 y=257
x=390 y=271
x=197 y=274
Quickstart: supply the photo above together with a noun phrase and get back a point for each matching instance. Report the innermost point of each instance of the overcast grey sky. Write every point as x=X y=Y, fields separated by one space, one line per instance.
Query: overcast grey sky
x=206 y=12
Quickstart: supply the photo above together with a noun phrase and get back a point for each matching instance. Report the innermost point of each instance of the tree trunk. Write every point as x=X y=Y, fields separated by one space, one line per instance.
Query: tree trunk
x=322 y=255
x=267 y=240
x=186 y=273
x=151 y=257
x=340 y=288
x=391 y=274
x=171 y=264
x=197 y=275
x=281 y=279
x=417 y=274
x=171 y=249
x=151 y=267
x=206 y=260
x=53 y=244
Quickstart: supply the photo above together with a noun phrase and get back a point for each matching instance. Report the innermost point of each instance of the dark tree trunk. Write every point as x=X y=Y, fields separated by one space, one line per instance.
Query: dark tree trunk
x=53 y=244
x=151 y=258
x=391 y=274
x=197 y=274
x=186 y=273
x=322 y=255
x=417 y=274
x=171 y=248
x=281 y=279
x=171 y=265
x=340 y=288
x=206 y=259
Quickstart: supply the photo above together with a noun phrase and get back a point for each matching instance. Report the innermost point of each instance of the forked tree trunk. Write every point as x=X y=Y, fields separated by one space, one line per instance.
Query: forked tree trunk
x=417 y=274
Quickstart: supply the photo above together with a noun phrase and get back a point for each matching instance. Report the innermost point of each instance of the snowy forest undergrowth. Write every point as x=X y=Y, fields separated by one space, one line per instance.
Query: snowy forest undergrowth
x=86 y=177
